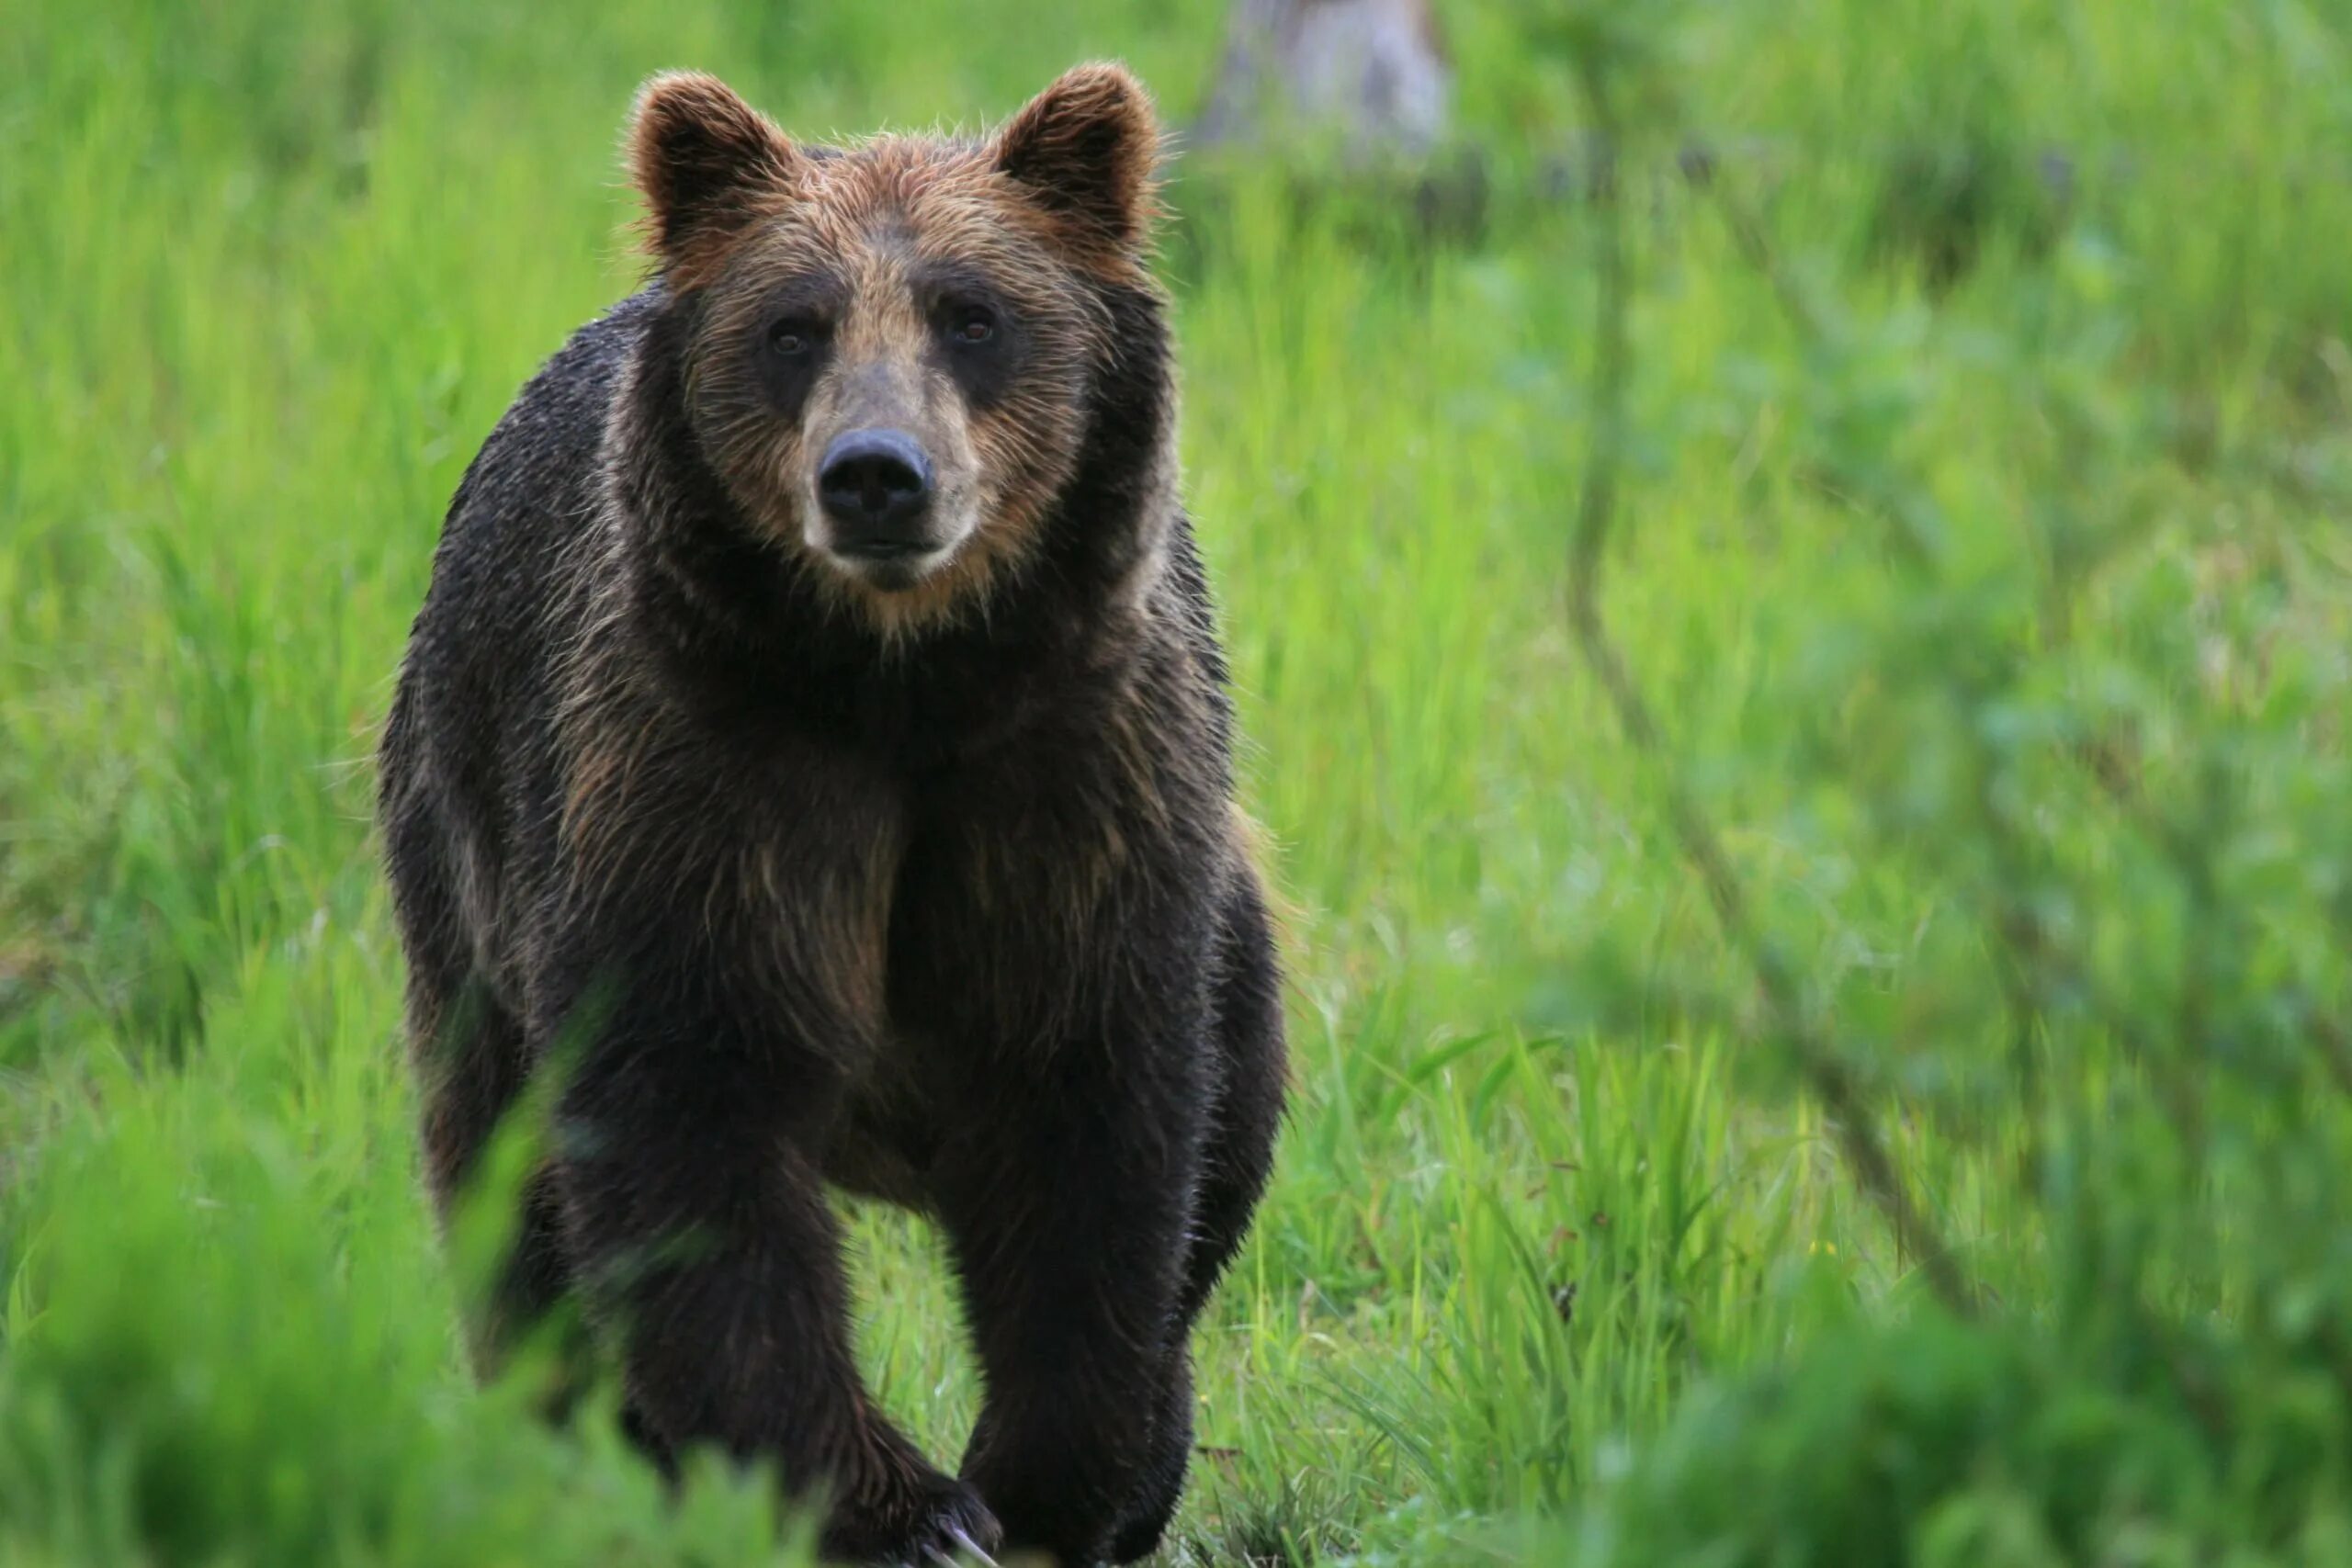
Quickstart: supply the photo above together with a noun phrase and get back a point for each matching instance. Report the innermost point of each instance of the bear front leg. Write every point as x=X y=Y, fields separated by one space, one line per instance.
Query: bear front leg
x=1066 y=1203
x=697 y=1227
x=1236 y=1159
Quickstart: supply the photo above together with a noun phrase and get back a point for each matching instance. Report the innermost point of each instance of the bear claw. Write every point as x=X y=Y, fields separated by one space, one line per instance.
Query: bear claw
x=967 y=1552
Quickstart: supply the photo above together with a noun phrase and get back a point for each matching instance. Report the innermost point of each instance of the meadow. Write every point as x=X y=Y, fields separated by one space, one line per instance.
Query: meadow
x=1798 y=695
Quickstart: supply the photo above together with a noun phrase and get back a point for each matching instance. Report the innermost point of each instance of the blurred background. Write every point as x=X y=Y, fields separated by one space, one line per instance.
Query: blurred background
x=1787 y=572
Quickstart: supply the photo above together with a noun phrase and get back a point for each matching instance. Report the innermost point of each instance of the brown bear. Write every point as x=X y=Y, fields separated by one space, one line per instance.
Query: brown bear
x=814 y=753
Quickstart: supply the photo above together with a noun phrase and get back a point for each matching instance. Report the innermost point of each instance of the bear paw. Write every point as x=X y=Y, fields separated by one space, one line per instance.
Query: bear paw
x=939 y=1523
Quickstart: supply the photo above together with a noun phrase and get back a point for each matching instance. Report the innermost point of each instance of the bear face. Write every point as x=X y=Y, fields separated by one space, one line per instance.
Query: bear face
x=890 y=344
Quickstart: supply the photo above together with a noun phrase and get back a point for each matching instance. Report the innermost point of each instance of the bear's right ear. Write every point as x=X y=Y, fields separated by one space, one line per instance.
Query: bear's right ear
x=706 y=161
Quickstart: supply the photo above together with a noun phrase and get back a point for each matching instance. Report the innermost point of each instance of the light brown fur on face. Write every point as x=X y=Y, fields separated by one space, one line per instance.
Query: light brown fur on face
x=869 y=241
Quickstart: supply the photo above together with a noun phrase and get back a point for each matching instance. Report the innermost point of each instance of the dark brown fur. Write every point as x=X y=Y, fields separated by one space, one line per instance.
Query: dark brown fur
x=922 y=880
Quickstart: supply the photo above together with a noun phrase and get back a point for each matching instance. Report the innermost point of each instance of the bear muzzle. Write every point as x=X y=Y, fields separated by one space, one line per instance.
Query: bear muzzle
x=875 y=487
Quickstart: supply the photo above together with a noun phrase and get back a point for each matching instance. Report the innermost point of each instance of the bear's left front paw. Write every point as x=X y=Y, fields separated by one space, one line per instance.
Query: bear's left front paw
x=922 y=1519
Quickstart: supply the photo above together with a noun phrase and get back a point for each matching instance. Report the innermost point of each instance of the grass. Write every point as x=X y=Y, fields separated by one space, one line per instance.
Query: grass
x=1977 y=543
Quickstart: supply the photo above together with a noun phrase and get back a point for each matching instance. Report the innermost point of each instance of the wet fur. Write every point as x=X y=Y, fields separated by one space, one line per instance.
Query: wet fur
x=938 y=895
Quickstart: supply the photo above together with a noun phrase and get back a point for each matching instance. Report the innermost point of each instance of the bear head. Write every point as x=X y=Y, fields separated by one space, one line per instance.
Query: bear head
x=891 y=355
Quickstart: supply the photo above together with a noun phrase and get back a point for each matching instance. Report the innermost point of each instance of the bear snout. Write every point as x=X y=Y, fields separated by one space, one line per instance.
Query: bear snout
x=875 y=487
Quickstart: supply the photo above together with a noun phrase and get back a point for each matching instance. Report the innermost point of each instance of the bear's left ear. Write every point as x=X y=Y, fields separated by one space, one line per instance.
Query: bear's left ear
x=1085 y=150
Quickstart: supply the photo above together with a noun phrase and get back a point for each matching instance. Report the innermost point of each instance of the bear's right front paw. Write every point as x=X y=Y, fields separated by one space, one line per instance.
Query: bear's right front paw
x=935 y=1522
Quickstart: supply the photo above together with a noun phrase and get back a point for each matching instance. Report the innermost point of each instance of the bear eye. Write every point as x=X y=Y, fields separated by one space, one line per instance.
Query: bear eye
x=972 y=325
x=791 y=337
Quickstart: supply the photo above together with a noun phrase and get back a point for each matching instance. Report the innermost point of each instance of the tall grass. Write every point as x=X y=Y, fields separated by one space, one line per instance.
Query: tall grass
x=1977 y=546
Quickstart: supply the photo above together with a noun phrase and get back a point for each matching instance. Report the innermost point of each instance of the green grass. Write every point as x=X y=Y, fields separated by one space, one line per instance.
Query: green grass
x=1979 y=545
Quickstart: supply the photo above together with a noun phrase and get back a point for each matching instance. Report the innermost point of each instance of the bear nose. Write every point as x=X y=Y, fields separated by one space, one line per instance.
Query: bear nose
x=875 y=484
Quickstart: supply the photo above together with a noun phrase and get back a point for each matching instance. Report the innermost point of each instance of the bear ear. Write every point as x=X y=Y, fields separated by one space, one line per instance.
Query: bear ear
x=703 y=159
x=1085 y=150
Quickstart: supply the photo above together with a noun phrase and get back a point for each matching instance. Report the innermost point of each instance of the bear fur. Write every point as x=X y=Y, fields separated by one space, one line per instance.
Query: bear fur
x=917 y=874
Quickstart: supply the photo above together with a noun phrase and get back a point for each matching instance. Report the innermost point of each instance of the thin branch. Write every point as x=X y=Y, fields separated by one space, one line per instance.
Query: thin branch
x=1825 y=1071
